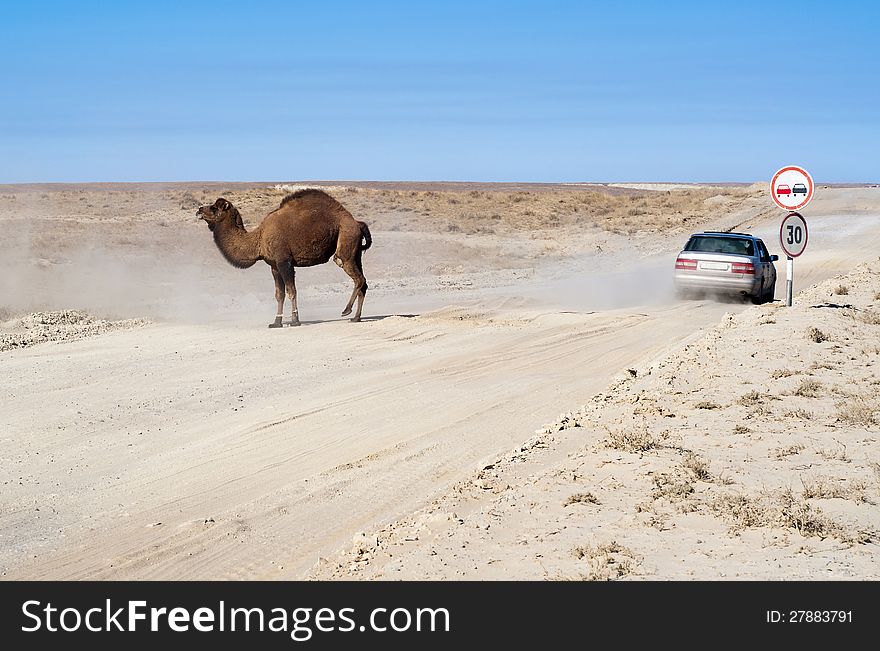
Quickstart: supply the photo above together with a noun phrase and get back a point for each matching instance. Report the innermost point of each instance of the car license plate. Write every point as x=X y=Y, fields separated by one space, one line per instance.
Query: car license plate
x=714 y=266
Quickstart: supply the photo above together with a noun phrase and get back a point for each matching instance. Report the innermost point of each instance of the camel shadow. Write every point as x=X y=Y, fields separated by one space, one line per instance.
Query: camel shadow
x=364 y=319
x=382 y=317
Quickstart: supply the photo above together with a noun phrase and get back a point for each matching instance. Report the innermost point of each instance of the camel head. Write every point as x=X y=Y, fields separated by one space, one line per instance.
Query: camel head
x=220 y=211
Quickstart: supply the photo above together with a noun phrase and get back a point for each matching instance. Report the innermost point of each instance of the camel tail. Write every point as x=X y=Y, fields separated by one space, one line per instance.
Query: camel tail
x=368 y=239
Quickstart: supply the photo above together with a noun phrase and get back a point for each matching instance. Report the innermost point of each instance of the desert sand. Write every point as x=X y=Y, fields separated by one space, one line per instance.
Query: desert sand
x=152 y=426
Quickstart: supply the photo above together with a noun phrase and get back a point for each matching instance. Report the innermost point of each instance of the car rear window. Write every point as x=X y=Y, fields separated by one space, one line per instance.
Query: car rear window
x=731 y=245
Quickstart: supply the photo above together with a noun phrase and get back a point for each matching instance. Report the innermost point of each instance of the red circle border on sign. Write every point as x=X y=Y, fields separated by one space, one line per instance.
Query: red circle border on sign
x=806 y=200
x=806 y=232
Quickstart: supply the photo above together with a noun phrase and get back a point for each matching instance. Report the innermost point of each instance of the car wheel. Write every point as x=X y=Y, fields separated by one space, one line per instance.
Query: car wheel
x=770 y=296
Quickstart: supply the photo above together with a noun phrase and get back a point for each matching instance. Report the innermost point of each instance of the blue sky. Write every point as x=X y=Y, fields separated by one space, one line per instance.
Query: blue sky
x=482 y=91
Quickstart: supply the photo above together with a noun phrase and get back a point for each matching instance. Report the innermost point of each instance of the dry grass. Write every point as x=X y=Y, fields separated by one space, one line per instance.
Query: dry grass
x=759 y=411
x=707 y=404
x=814 y=334
x=802 y=414
x=808 y=388
x=750 y=399
x=841 y=290
x=781 y=453
x=606 y=562
x=796 y=513
x=868 y=316
x=877 y=296
x=616 y=210
x=861 y=411
x=697 y=466
x=824 y=489
x=631 y=441
x=675 y=485
x=875 y=468
x=783 y=372
x=741 y=429
x=581 y=498
x=436 y=208
x=834 y=454
x=782 y=509
x=743 y=511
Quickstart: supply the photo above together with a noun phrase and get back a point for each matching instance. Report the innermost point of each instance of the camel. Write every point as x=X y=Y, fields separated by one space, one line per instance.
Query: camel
x=307 y=229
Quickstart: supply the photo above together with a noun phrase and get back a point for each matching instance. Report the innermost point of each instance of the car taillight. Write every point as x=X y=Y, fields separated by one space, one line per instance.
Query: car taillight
x=742 y=268
x=686 y=264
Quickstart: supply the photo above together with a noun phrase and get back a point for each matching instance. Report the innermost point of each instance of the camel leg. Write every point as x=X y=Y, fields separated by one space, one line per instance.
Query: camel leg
x=279 y=296
x=354 y=292
x=288 y=274
x=341 y=265
x=355 y=270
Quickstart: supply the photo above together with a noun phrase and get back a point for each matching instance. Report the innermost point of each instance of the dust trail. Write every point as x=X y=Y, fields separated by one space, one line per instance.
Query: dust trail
x=150 y=258
x=590 y=285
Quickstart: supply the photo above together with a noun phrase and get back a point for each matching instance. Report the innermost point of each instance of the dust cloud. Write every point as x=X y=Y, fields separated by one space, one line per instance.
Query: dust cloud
x=164 y=268
x=594 y=284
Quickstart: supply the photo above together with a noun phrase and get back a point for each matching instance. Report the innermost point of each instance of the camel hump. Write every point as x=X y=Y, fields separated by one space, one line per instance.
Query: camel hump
x=312 y=193
x=365 y=233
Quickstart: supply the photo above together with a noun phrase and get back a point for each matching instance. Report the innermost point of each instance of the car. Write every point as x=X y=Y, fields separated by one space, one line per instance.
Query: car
x=799 y=188
x=783 y=189
x=719 y=263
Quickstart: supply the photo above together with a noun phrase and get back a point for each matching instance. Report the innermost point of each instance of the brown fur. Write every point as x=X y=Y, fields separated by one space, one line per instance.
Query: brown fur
x=308 y=228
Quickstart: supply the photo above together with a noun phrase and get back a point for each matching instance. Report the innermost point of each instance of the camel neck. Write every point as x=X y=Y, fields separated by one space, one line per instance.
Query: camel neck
x=240 y=247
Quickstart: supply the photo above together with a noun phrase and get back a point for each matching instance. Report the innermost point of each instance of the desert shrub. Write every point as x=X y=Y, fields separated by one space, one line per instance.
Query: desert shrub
x=824 y=489
x=581 y=498
x=697 y=466
x=781 y=453
x=808 y=388
x=859 y=410
x=606 y=562
x=814 y=334
x=749 y=399
x=782 y=509
x=869 y=317
x=631 y=441
x=834 y=454
x=675 y=485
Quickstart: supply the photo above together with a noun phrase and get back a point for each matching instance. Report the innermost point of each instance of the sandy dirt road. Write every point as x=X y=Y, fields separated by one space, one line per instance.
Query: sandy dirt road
x=181 y=451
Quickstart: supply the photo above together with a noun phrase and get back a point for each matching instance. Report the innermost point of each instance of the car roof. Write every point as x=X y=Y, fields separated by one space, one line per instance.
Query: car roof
x=724 y=234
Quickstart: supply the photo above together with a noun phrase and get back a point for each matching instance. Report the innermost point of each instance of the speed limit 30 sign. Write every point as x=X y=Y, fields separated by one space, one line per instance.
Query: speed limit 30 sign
x=793 y=234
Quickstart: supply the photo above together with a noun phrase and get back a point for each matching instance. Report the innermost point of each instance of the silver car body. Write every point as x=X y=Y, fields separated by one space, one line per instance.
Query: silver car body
x=726 y=263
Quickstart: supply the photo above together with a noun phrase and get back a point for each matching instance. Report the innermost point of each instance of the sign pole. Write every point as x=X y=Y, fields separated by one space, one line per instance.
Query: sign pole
x=789 y=282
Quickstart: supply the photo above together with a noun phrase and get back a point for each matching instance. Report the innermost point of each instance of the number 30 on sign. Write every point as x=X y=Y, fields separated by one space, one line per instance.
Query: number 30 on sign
x=793 y=234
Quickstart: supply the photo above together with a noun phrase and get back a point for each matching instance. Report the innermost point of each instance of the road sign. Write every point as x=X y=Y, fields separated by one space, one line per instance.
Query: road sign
x=792 y=187
x=793 y=234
